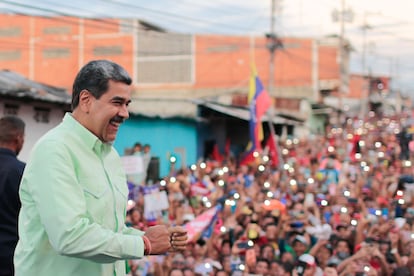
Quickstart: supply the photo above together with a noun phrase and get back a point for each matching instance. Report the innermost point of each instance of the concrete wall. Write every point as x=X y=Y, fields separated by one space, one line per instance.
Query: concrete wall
x=165 y=137
x=51 y=50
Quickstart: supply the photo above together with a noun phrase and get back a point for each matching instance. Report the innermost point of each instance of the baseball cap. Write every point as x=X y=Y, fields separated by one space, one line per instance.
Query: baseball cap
x=300 y=239
x=308 y=259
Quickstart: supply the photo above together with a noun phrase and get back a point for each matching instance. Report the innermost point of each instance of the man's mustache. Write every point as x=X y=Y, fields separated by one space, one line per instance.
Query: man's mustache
x=117 y=119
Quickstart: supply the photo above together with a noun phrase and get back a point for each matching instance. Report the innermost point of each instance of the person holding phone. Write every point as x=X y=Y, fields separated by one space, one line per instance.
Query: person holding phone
x=306 y=266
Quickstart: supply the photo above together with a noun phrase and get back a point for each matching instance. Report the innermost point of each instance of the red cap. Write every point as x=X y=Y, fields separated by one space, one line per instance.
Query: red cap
x=382 y=200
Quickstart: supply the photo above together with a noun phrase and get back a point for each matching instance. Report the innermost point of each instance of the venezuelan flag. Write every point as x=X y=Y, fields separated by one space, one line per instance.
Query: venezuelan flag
x=259 y=103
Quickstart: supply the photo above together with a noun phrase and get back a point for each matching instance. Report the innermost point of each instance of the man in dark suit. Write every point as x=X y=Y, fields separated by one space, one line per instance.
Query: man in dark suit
x=11 y=170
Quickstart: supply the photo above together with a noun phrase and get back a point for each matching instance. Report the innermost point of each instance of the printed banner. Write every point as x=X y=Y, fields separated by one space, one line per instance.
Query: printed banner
x=155 y=201
x=133 y=164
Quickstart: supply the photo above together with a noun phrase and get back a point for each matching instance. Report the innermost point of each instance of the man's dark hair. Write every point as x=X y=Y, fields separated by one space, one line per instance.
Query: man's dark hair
x=10 y=128
x=263 y=260
x=95 y=76
x=347 y=242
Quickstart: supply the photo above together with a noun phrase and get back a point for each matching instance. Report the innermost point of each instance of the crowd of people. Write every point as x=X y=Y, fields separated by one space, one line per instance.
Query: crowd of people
x=337 y=204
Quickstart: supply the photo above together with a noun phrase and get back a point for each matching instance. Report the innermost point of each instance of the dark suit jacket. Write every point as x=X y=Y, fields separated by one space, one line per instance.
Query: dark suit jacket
x=11 y=170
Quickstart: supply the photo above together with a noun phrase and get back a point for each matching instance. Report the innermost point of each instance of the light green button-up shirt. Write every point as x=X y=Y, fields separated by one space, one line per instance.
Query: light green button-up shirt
x=74 y=198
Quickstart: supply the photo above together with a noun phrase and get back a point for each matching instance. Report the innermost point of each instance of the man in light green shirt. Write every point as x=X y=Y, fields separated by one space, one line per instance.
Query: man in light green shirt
x=74 y=189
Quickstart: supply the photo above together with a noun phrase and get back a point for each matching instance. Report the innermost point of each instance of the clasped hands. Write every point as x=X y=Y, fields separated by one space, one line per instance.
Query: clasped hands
x=164 y=239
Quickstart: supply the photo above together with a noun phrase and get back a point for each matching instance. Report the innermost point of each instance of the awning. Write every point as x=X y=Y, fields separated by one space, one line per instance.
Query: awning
x=244 y=114
x=184 y=108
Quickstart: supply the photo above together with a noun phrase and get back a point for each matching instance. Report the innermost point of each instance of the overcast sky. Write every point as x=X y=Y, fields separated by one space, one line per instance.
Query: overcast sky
x=389 y=39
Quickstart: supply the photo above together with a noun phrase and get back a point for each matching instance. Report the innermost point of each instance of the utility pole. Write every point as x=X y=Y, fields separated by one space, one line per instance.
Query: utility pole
x=343 y=16
x=366 y=86
x=342 y=88
x=272 y=48
x=273 y=43
x=367 y=79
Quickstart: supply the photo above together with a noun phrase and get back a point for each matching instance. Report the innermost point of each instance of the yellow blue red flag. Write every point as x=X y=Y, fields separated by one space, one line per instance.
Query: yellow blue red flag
x=259 y=103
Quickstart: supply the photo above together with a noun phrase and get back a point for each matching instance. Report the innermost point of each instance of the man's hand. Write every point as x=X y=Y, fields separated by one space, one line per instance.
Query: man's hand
x=165 y=239
x=159 y=237
x=178 y=238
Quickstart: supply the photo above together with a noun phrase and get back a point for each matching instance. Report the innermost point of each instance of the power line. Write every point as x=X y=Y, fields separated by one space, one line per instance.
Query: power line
x=108 y=24
x=48 y=10
x=229 y=8
x=175 y=16
x=212 y=38
x=71 y=22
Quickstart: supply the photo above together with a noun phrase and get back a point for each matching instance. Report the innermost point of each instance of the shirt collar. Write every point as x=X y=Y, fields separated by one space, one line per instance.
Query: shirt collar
x=86 y=136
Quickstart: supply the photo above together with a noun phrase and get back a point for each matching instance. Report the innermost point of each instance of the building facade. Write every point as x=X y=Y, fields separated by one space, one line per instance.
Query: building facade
x=179 y=77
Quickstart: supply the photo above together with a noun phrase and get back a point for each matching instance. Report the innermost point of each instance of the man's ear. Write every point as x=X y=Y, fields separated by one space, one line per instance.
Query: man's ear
x=85 y=100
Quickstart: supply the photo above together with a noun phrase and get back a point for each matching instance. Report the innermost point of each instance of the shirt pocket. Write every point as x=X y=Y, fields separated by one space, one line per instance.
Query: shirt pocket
x=121 y=196
x=93 y=188
x=97 y=197
x=121 y=186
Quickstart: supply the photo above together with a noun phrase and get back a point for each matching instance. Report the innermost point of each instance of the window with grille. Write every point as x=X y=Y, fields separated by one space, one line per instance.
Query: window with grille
x=56 y=53
x=10 y=31
x=41 y=115
x=10 y=55
x=108 y=50
x=57 y=30
x=10 y=109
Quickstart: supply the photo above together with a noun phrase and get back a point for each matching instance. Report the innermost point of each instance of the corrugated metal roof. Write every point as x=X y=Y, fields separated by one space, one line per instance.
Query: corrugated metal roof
x=187 y=108
x=244 y=113
x=17 y=86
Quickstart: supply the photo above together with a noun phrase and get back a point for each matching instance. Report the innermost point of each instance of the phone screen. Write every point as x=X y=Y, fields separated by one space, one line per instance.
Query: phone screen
x=243 y=245
x=352 y=200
